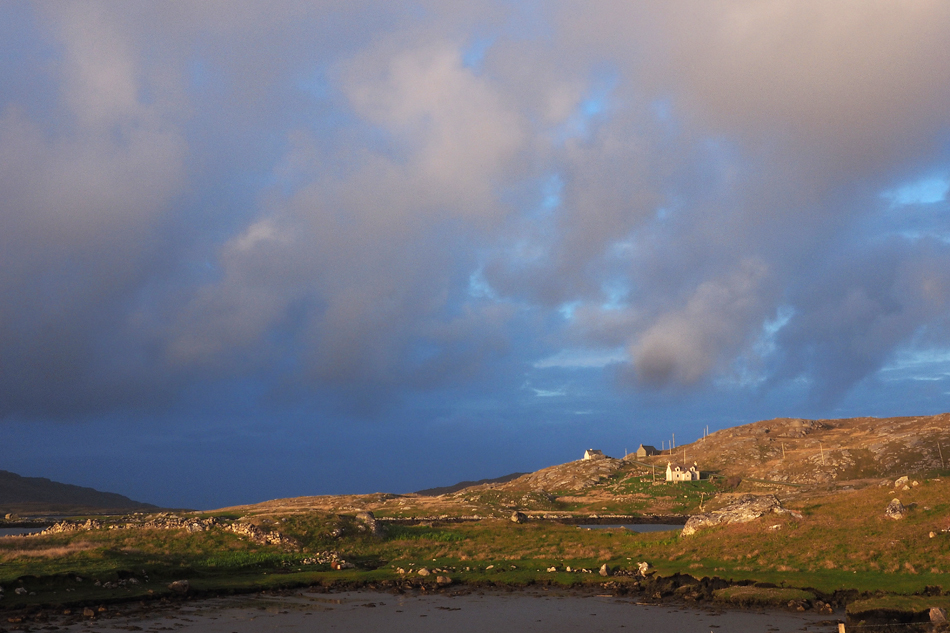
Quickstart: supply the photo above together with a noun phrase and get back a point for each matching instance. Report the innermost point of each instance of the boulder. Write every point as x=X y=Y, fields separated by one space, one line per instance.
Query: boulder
x=747 y=508
x=605 y=570
x=938 y=616
x=369 y=521
x=443 y=580
x=643 y=568
x=180 y=586
x=901 y=481
x=424 y=572
x=518 y=517
x=88 y=613
x=895 y=510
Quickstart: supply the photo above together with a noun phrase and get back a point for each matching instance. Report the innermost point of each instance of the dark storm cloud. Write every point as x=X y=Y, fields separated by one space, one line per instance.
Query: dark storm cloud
x=372 y=199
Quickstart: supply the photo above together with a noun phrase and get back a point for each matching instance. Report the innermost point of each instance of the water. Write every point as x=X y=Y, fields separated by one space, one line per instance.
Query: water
x=527 y=611
x=19 y=531
x=636 y=527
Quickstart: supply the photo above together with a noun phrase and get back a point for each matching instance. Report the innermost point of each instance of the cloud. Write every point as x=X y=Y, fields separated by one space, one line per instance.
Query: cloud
x=84 y=209
x=711 y=329
x=344 y=198
x=362 y=268
x=866 y=310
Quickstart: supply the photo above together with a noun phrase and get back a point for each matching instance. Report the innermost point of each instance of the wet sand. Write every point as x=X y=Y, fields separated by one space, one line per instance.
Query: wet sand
x=528 y=611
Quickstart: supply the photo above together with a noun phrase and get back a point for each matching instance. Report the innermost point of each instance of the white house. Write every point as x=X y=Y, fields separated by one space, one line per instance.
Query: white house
x=593 y=453
x=679 y=472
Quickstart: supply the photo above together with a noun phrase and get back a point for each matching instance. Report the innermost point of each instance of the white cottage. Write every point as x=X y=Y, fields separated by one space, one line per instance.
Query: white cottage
x=593 y=453
x=679 y=472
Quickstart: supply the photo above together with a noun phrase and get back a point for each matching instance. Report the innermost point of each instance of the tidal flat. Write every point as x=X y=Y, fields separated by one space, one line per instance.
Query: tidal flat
x=525 y=611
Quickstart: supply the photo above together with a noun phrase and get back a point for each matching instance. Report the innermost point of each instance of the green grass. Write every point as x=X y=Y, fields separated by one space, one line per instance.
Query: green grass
x=898 y=604
x=751 y=595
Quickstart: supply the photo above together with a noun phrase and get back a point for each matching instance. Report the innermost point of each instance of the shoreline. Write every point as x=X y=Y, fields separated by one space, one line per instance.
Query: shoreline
x=653 y=589
x=461 y=608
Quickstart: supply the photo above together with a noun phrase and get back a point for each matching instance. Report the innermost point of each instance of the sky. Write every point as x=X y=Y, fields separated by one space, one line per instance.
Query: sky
x=252 y=250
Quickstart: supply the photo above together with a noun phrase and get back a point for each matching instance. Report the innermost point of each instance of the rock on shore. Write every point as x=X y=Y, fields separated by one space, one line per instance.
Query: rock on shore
x=743 y=510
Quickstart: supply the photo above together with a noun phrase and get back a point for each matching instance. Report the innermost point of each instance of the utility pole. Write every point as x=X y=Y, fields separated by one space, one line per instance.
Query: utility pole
x=673 y=445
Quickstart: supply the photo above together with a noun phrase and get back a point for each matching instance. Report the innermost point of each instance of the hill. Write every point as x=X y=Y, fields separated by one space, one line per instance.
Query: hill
x=38 y=495
x=793 y=457
x=444 y=490
x=802 y=451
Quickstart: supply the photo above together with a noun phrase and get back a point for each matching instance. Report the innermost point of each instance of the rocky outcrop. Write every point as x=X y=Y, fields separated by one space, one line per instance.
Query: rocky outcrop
x=576 y=475
x=162 y=521
x=369 y=523
x=64 y=527
x=262 y=537
x=167 y=521
x=895 y=510
x=743 y=510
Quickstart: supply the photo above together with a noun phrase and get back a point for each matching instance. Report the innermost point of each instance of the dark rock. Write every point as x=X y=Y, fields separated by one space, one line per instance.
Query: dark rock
x=518 y=517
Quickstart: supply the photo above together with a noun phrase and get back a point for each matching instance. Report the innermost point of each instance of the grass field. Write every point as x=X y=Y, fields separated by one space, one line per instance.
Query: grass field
x=842 y=543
